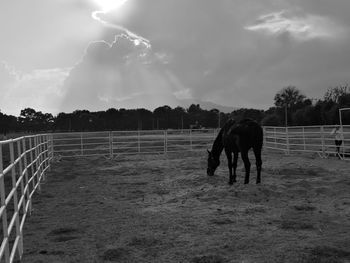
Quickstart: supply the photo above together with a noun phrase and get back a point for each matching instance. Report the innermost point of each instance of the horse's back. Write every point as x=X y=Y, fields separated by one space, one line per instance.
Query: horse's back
x=250 y=133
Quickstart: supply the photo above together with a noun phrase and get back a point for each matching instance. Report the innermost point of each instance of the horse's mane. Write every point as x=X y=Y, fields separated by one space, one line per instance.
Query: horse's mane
x=218 y=144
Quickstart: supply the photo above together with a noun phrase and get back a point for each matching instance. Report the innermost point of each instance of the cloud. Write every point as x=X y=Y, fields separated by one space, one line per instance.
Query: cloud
x=202 y=50
x=303 y=28
x=231 y=52
x=110 y=6
x=35 y=35
x=38 y=89
x=120 y=74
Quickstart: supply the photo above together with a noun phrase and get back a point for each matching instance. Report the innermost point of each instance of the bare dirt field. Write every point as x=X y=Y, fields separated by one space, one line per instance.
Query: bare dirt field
x=165 y=209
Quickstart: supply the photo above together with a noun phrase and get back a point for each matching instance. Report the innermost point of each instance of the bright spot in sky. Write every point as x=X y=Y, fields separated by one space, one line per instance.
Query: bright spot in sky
x=108 y=5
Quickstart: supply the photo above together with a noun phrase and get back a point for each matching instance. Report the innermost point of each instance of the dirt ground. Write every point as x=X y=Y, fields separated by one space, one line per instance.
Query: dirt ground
x=166 y=209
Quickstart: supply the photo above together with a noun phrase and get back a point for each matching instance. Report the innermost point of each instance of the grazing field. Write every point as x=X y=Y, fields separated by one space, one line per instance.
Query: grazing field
x=163 y=208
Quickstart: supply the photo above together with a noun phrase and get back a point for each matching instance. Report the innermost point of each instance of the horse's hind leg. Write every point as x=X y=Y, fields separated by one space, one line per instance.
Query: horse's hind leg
x=257 y=153
x=246 y=161
x=229 y=163
x=235 y=159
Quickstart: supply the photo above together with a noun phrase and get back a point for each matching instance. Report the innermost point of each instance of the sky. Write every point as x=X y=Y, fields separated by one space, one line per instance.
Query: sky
x=63 y=55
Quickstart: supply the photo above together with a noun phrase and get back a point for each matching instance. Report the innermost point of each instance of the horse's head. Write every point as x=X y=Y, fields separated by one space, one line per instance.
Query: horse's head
x=213 y=163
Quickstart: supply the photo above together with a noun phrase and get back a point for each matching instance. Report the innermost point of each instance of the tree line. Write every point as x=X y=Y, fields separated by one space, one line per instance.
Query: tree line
x=291 y=107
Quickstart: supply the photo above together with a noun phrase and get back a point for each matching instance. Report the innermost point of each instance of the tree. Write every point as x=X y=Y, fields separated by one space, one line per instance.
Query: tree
x=289 y=96
x=161 y=115
x=243 y=113
x=271 y=120
x=333 y=94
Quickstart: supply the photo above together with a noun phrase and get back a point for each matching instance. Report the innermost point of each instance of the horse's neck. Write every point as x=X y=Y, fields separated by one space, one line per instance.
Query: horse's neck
x=218 y=146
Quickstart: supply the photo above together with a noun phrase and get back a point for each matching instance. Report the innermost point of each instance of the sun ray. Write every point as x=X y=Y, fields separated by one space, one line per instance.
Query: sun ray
x=108 y=5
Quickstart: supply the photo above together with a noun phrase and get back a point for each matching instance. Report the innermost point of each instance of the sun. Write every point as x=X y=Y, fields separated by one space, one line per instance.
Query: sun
x=108 y=5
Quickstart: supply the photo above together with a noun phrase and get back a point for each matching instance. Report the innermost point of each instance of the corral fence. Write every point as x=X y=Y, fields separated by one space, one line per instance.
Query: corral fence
x=23 y=163
x=116 y=143
x=308 y=139
x=311 y=139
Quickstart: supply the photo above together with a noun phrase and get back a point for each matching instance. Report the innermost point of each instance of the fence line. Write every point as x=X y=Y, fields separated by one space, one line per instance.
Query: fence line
x=23 y=163
x=25 y=160
x=114 y=143
x=312 y=139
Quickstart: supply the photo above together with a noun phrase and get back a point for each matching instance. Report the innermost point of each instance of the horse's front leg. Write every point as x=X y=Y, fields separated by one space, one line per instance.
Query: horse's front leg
x=257 y=152
x=246 y=166
x=235 y=159
x=229 y=163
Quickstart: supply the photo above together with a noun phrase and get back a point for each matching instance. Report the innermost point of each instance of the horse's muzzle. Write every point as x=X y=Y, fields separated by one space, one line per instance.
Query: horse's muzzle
x=210 y=172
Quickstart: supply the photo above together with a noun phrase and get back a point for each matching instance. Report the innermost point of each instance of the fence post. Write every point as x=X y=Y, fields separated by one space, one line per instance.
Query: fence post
x=21 y=177
x=15 y=201
x=32 y=161
x=110 y=144
x=42 y=157
x=27 y=176
x=138 y=141
x=4 y=213
x=275 y=136
x=304 y=142
x=323 y=142
x=165 y=141
x=191 y=146
x=287 y=140
x=52 y=147
x=37 y=162
x=81 y=144
x=49 y=150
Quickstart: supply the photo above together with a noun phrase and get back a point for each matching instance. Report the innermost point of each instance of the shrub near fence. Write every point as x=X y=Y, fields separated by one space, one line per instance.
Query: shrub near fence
x=23 y=163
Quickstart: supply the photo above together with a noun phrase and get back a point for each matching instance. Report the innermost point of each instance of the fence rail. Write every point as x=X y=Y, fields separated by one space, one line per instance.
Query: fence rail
x=311 y=139
x=23 y=163
x=131 y=142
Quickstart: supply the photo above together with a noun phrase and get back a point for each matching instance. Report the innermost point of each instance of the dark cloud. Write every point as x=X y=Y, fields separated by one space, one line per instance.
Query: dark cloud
x=121 y=74
x=204 y=49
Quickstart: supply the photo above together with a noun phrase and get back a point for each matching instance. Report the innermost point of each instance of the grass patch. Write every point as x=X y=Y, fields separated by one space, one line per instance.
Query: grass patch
x=324 y=254
x=223 y=221
x=142 y=242
x=290 y=224
x=304 y=208
x=63 y=231
x=64 y=238
x=209 y=259
x=116 y=254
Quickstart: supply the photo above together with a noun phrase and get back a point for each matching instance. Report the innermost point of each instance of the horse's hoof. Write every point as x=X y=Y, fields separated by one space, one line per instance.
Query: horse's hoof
x=232 y=181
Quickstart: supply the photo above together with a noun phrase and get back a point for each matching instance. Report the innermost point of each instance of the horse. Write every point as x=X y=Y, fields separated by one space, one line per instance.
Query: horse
x=235 y=137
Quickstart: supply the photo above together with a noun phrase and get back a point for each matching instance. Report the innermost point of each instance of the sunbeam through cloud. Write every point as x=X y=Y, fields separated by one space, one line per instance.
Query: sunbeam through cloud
x=109 y=6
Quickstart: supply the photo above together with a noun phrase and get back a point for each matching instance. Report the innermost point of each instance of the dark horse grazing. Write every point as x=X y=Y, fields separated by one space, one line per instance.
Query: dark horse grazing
x=237 y=137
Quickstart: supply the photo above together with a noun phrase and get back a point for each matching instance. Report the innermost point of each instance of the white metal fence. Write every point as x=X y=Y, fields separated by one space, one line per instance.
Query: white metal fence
x=23 y=163
x=312 y=139
x=115 y=143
